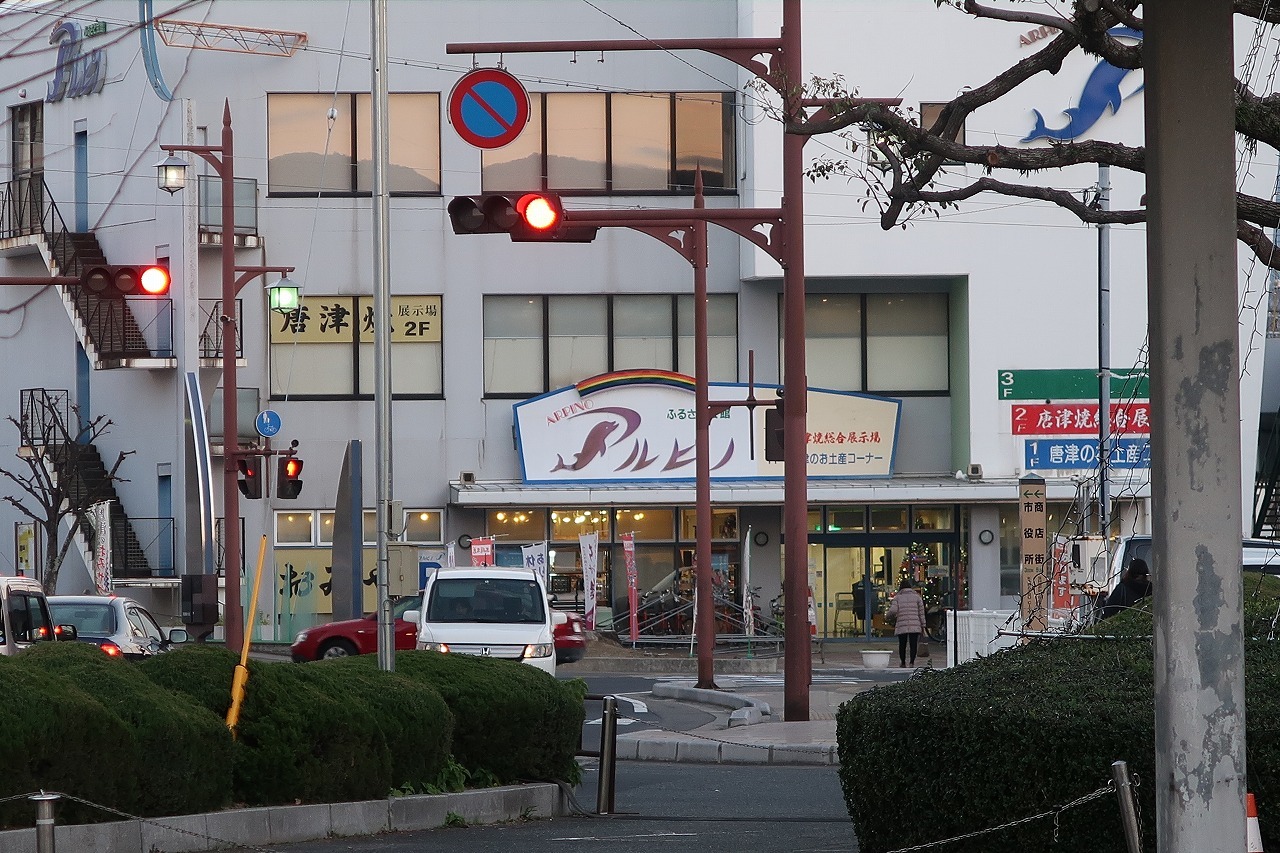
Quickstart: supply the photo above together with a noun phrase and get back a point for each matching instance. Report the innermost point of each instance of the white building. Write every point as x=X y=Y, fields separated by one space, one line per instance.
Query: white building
x=950 y=353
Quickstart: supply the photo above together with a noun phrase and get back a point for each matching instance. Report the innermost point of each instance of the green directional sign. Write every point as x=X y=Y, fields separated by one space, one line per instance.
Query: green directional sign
x=1069 y=384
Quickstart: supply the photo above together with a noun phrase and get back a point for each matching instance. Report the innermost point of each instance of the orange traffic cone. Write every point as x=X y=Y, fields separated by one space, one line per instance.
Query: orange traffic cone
x=1254 y=832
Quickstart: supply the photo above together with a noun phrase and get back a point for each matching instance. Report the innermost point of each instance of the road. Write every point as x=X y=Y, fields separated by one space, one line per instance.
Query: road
x=638 y=710
x=662 y=807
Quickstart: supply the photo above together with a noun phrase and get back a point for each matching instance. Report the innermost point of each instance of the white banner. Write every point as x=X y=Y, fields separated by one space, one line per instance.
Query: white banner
x=748 y=611
x=102 y=550
x=535 y=559
x=451 y=559
x=590 y=544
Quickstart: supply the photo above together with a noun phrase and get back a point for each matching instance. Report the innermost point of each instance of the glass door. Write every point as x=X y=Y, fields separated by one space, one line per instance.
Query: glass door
x=845 y=569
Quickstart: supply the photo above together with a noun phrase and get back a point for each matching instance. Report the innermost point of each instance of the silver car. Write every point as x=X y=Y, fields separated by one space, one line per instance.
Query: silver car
x=120 y=626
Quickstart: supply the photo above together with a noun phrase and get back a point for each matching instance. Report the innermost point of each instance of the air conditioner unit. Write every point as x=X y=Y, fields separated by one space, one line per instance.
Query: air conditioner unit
x=467 y=478
x=975 y=471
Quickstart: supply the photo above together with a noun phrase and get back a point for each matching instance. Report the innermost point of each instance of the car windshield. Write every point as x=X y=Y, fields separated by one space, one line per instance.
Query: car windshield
x=504 y=600
x=91 y=619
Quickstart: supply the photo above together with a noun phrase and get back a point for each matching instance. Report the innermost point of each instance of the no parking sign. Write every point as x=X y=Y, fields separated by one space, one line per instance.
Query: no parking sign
x=488 y=108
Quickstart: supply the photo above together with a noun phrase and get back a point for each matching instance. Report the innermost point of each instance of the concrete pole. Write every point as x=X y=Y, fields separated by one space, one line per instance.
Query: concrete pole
x=1195 y=440
x=233 y=618
x=705 y=615
x=382 y=327
x=1104 y=362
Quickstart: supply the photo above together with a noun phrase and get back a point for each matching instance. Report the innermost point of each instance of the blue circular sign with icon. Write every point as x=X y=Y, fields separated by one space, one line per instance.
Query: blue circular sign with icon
x=268 y=423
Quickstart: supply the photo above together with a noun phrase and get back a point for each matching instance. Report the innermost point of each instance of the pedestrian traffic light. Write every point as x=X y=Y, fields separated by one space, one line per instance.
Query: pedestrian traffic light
x=529 y=217
x=250 y=476
x=773 y=420
x=116 y=280
x=288 y=472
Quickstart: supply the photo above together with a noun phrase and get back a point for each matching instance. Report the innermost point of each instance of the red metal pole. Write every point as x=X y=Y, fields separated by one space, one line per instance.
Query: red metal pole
x=705 y=617
x=233 y=618
x=798 y=661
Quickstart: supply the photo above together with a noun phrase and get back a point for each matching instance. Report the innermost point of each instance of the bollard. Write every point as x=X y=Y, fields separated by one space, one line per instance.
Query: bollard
x=44 y=821
x=1128 y=813
x=608 y=755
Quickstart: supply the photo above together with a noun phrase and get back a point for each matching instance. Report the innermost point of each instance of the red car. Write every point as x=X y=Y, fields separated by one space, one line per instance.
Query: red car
x=360 y=636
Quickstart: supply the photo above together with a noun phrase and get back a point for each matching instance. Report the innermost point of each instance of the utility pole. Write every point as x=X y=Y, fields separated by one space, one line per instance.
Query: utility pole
x=1104 y=363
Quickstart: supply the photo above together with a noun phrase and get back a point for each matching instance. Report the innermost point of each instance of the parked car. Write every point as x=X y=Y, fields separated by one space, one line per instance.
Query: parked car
x=119 y=626
x=356 y=636
x=569 y=630
x=25 y=617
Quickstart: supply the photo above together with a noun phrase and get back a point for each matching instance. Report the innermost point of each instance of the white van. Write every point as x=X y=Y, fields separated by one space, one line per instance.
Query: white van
x=489 y=612
x=1259 y=555
x=24 y=615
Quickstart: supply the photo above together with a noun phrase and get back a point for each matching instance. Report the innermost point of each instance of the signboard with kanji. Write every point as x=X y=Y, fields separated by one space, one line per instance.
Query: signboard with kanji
x=1078 y=418
x=1067 y=453
x=1033 y=519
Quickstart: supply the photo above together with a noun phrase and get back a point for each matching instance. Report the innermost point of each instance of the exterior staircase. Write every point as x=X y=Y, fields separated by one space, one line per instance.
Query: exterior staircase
x=1266 y=491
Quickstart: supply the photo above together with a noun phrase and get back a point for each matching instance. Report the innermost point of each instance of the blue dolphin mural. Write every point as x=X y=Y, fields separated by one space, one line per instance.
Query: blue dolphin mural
x=1101 y=90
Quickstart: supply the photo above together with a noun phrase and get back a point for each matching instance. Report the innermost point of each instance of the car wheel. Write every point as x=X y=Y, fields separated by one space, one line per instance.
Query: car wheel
x=338 y=649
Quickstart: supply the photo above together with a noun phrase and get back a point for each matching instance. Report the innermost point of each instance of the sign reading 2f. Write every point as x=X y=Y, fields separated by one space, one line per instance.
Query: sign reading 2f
x=76 y=73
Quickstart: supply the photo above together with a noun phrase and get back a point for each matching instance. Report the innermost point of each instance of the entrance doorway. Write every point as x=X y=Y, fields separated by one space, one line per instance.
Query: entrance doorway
x=854 y=581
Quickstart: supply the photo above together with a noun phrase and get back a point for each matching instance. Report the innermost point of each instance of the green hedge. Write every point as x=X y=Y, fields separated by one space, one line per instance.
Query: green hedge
x=184 y=752
x=514 y=721
x=56 y=737
x=1023 y=731
x=297 y=741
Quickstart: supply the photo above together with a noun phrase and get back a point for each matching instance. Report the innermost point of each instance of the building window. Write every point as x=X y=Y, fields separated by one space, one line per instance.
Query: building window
x=640 y=142
x=423 y=525
x=888 y=343
x=324 y=349
x=309 y=154
x=534 y=344
x=1059 y=518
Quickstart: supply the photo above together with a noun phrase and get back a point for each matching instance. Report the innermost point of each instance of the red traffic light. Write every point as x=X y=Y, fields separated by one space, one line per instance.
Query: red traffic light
x=116 y=280
x=250 y=482
x=542 y=213
x=155 y=281
x=288 y=477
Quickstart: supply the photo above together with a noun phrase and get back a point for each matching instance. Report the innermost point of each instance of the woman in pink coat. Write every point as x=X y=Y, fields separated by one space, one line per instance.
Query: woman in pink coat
x=907 y=615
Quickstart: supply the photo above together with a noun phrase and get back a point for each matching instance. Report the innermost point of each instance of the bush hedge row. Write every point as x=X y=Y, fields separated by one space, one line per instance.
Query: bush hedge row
x=150 y=739
x=1025 y=731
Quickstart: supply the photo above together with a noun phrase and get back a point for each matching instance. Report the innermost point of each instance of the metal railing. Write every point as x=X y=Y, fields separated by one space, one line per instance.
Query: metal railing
x=45 y=417
x=246 y=205
x=143 y=547
x=211 y=327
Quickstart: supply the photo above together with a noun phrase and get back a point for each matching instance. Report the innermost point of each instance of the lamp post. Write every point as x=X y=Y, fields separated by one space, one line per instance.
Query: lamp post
x=171 y=174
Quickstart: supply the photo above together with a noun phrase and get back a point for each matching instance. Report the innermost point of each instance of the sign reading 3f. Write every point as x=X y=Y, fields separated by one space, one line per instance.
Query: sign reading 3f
x=76 y=73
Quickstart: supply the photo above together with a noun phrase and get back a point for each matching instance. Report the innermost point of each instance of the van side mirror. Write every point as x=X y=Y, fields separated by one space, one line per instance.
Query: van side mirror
x=178 y=635
x=410 y=616
x=65 y=632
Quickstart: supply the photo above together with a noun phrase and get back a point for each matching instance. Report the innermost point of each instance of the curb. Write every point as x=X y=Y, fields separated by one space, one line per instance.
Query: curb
x=718 y=698
x=667 y=665
x=290 y=824
x=698 y=750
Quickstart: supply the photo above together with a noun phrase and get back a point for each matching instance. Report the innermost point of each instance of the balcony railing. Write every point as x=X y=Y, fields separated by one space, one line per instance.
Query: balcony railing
x=246 y=206
x=211 y=327
x=151 y=554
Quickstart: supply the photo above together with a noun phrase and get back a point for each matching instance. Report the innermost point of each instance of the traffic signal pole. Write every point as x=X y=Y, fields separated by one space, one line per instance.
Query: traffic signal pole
x=785 y=243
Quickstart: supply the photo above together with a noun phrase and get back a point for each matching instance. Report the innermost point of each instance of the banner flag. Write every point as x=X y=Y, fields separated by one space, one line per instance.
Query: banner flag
x=535 y=559
x=590 y=544
x=482 y=551
x=102 y=548
x=748 y=611
x=629 y=556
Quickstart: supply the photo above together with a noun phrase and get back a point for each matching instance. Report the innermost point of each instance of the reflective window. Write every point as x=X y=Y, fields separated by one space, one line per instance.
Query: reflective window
x=724 y=524
x=888 y=519
x=310 y=154
x=635 y=142
x=568 y=524
x=933 y=518
x=846 y=519
x=423 y=525
x=294 y=528
x=518 y=525
x=589 y=335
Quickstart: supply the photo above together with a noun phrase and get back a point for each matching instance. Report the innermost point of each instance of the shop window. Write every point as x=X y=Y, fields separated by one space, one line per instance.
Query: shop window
x=846 y=519
x=635 y=142
x=423 y=525
x=888 y=519
x=933 y=518
x=649 y=524
x=311 y=155
x=1058 y=524
x=568 y=524
x=814 y=520
x=534 y=344
x=325 y=348
x=724 y=524
x=518 y=525
x=294 y=528
x=369 y=527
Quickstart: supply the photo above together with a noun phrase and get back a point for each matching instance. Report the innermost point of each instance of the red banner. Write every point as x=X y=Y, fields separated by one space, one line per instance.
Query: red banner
x=1079 y=418
x=629 y=557
x=482 y=551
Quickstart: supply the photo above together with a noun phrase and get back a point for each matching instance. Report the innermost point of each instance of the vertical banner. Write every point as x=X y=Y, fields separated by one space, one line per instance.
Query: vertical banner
x=25 y=558
x=102 y=547
x=535 y=559
x=590 y=544
x=748 y=608
x=1063 y=602
x=482 y=551
x=813 y=616
x=629 y=556
x=1033 y=518
x=451 y=557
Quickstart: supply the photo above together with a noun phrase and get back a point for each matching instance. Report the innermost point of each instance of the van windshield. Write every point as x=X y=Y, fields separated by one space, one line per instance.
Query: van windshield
x=505 y=600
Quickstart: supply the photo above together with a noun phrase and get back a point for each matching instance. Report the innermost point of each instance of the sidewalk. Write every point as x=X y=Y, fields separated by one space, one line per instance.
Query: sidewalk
x=748 y=702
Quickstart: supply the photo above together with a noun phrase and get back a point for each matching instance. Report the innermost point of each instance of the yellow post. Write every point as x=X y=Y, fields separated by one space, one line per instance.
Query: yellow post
x=241 y=677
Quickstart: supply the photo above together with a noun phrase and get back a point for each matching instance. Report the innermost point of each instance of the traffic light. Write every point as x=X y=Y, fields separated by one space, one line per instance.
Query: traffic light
x=250 y=476
x=773 y=419
x=288 y=484
x=116 y=280
x=529 y=217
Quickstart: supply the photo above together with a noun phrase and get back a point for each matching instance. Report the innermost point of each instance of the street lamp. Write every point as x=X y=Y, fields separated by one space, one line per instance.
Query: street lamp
x=171 y=175
x=282 y=297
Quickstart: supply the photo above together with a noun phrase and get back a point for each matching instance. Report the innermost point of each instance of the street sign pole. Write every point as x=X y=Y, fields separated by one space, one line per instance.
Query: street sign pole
x=1033 y=519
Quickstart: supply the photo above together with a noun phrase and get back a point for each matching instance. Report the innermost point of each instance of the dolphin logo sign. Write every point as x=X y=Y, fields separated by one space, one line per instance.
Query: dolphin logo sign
x=1101 y=90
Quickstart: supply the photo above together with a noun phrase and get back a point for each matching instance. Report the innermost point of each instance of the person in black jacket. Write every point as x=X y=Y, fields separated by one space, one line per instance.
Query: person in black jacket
x=1134 y=586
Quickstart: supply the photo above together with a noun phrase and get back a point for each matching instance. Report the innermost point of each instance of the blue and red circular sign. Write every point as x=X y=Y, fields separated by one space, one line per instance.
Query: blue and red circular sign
x=488 y=107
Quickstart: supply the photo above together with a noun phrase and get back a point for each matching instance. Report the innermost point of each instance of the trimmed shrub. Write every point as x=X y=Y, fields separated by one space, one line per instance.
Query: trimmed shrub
x=58 y=738
x=1022 y=732
x=184 y=763
x=512 y=720
x=295 y=742
x=412 y=716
